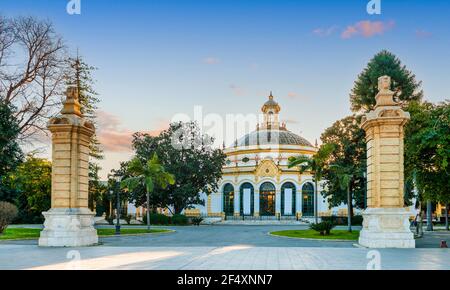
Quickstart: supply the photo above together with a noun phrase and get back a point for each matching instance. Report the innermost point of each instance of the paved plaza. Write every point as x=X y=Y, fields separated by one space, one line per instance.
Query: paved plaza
x=221 y=248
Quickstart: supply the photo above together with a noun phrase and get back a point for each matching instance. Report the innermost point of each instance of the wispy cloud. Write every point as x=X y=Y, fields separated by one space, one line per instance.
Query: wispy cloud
x=324 y=32
x=237 y=90
x=420 y=33
x=211 y=60
x=296 y=96
x=367 y=29
x=113 y=137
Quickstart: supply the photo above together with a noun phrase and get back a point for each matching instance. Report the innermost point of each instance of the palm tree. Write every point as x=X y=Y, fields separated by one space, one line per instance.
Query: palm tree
x=314 y=164
x=149 y=175
x=345 y=177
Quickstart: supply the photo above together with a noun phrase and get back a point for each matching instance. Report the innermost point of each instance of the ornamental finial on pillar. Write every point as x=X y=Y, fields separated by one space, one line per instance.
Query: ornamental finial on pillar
x=71 y=104
x=385 y=96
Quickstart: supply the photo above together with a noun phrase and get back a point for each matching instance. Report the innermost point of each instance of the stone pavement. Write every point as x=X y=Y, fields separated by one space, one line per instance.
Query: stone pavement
x=221 y=248
x=235 y=257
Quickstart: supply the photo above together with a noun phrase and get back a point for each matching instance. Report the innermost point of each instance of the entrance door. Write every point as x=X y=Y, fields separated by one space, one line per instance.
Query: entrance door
x=247 y=199
x=267 y=199
x=288 y=199
x=228 y=199
x=308 y=200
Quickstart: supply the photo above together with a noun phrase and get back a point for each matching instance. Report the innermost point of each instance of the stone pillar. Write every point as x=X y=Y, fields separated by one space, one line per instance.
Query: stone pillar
x=256 y=203
x=69 y=222
x=209 y=205
x=298 y=203
x=237 y=209
x=278 y=204
x=386 y=220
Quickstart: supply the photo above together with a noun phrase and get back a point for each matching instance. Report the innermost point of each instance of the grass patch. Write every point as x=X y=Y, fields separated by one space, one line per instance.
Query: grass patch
x=27 y=234
x=310 y=234
x=20 y=234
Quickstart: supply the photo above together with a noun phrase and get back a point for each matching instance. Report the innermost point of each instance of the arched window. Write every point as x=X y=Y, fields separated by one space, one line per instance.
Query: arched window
x=267 y=199
x=228 y=199
x=288 y=197
x=308 y=200
x=247 y=199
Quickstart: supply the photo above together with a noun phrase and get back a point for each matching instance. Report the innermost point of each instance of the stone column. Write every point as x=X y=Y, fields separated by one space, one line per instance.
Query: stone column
x=278 y=203
x=256 y=203
x=298 y=202
x=69 y=222
x=386 y=220
x=237 y=209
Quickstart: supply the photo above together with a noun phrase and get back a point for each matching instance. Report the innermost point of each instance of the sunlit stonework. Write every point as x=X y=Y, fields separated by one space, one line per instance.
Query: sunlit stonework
x=69 y=223
x=386 y=220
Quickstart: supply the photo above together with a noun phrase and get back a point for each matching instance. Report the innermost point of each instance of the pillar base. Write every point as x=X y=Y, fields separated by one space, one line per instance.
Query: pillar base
x=66 y=227
x=386 y=228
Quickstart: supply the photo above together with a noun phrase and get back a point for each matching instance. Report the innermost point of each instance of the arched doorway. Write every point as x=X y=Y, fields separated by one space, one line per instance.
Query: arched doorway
x=228 y=199
x=308 y=200
x=267 y=199
x=288 y=191
x=247 y=197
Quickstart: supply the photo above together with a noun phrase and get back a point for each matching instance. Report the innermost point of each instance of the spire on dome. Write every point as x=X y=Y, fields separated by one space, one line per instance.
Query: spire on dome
x=271 y=105
x=271 y=109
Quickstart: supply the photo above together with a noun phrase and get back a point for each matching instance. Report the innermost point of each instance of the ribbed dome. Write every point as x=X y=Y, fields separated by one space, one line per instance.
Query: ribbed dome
x=272 y=137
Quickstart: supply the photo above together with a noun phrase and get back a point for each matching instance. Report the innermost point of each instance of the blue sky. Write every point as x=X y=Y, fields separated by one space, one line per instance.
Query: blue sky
x=159 y=58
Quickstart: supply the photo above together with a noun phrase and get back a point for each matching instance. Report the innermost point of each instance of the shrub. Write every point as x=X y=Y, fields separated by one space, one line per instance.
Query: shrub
x=110 y=219
x=342 y=221
x=128 y=219
x=159 y=219
x=197 y=220
x=156 y=219
x=324 y=228
x=8 y=212
x=179 y=219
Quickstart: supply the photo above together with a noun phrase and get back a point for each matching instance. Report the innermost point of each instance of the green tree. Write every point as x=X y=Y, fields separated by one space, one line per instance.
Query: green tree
x=316 y=166
x=97 y=189
x=404 y=82
x=10 y=152
x=188 y=154
x=349 y=153
x=148 y=174
x=344 y=175
x=427 y=150
x=32 y=179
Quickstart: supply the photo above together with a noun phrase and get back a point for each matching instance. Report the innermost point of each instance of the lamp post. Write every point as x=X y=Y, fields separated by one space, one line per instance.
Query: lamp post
x=118 y=213
x=117 y=188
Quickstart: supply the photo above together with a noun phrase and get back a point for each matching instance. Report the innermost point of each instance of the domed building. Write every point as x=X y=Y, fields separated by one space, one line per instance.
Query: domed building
x=257 y=182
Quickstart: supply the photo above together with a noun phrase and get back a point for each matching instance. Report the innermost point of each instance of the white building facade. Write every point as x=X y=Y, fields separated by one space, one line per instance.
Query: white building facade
x=257 y=182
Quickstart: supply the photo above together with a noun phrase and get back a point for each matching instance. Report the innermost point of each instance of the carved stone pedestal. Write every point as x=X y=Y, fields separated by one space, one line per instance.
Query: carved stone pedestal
x=386 y=228
x=69 y=222
x=386 y=220
x=65 y=227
